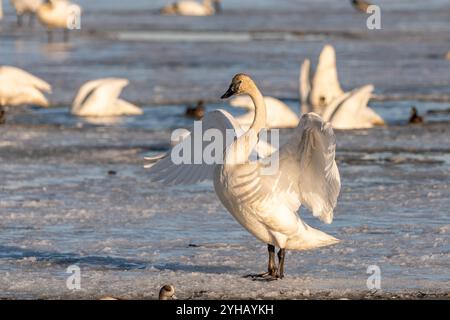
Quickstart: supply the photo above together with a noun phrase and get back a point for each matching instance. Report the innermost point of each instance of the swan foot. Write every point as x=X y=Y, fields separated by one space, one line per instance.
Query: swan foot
x=272 y=272
x=266 y=276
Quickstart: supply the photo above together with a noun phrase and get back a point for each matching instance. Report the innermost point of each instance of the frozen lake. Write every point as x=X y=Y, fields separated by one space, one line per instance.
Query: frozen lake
x=74 y=191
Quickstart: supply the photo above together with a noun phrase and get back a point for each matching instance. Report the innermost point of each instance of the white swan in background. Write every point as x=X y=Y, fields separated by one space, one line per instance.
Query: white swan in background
x=266 y=203
x=100 y=98
x=323 y=95
x=1 y=9
x=192 y=8
x=325 y=85
x=281 y=116
x=350 y=111
x=58 y=14
x=18 y=87
x=23 y=7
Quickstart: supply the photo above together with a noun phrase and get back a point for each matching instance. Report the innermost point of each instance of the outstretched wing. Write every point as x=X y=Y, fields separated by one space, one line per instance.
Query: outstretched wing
x=193 y=167
x=308 y=173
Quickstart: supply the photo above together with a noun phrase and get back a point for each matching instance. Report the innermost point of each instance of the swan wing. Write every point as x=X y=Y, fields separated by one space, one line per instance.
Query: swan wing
x=325 y=83
x=170 y=171
x=21 y=77
x=84 y=92
x=96 y=97
x=351 y=113
x=308 y=173
x=305 y=86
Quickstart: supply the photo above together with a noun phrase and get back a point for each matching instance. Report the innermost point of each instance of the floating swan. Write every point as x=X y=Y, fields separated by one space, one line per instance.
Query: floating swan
x=324 y=96
x=192 y=8
x=23 y=7
x=100 y=98
x=281 y=116
x=267 y=204
x=18 y=87
x=1 y=9
x=58 y=14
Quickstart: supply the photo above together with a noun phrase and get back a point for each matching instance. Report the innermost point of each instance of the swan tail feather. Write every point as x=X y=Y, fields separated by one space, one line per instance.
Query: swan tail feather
x=308 y=238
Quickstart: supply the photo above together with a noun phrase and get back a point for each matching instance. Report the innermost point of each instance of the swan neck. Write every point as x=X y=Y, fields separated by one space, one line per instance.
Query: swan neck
x=259 y=122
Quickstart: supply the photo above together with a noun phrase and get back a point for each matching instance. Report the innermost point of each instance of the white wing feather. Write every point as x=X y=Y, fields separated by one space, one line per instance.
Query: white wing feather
x=308 y=173
x=97 y=96
x=168 y=172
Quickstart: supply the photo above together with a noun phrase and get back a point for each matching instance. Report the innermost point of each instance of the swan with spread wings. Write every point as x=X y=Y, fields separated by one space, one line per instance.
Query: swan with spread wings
x=265 y=203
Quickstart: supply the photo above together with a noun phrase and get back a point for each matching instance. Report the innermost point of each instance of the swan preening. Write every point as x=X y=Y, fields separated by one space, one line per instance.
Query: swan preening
x=100 y=98
x=323 y=95
x=193 y=8
x=59 y=14
x=266 y=203
x=18 y=87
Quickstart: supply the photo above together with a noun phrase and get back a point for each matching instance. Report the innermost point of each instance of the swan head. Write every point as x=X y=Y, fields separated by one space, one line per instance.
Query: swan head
x=167 y=292
x=241 y=83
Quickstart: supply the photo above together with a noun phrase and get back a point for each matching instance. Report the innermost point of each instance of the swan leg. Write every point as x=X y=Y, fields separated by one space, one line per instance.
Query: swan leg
x=49 y=35
x=271 y=273
x=31 y=20
x=2 y=115
x=281 y=255
x=19 y=20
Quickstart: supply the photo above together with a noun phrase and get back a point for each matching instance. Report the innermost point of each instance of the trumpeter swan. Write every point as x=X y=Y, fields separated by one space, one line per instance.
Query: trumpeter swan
x=325 y=85
x=59 y=14
x=324 y=96
x=192 y=8
x=281 y=116
x=266 y=203
x=23 y=7
x=100 y=98
x=350 y=111
x=18 y=87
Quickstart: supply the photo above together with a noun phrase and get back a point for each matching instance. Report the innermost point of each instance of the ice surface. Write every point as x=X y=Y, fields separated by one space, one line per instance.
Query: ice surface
x=59 y=205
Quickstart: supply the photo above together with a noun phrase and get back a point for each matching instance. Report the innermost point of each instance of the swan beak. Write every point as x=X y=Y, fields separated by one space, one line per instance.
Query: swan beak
x=230 y=92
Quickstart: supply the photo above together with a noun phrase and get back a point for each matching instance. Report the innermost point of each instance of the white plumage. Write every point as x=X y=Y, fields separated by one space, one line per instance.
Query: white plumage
x=190 y=8
x=324 y=96
x=266 y=204
x=18 y=87
x=281 y=116
x=100 y=98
